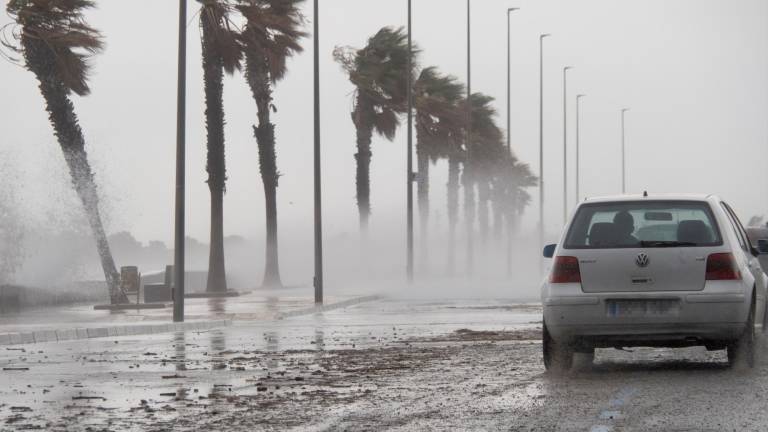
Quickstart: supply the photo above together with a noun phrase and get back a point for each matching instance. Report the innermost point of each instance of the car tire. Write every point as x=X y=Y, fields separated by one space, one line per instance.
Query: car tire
x=558 y=355
x=743 y=352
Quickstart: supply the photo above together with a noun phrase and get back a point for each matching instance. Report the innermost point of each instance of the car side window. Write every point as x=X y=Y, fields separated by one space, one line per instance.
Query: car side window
x=740 y=226
x=735 y=226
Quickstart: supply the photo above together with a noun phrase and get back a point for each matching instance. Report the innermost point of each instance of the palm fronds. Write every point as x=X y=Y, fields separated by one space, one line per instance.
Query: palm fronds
x=60 y=25
x=272 y=32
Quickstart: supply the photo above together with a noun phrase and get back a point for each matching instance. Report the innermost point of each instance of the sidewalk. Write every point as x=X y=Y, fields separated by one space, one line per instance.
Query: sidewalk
x=82 y=322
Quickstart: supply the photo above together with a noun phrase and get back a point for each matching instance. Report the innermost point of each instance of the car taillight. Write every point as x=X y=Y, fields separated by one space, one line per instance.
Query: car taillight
x=722 y=266
x=565 y=270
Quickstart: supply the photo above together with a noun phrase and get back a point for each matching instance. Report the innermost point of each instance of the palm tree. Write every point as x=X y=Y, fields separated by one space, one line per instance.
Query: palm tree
x=438 y=130
x=56 y=44
x=271 y=35
x=455 y=158
x=381 y=88
x=484 y=148
x=510 y=197
x=510 y=180
x=515 y=178
x=221 y=52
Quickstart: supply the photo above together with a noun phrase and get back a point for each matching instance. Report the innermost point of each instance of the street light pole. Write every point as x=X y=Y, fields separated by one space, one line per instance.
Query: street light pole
x=179 y=229
x=541 y=138
x=409 y=269
x=509 y=127
x=578 y=144
x=468 y=163
x=565 y=143
x=509 y=80
x=623 y=152
x=317 y=168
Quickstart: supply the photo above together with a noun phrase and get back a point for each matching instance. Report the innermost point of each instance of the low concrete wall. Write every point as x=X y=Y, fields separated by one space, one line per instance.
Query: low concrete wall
x=14 y=298
x=43 y=336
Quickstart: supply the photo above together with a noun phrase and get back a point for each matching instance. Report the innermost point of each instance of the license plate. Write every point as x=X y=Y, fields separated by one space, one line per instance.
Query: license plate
x=643 y=308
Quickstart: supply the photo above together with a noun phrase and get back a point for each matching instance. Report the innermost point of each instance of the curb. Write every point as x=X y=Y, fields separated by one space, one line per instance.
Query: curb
x=43 y=336
x=330 y=307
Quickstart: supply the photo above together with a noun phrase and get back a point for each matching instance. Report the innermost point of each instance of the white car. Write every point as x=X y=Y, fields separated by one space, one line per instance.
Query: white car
x=659 y=271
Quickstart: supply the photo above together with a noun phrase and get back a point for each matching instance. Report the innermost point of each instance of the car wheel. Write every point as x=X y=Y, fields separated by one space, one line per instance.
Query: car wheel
x=743 y=351
x=558 y=355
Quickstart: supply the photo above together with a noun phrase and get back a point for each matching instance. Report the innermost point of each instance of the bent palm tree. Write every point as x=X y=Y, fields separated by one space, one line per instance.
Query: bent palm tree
x=57 y=43
x=484 y=148
x=270 y=36
x=511 y=181
x=221 y=52
x=438 y=129
x=510 y=198
x=455 y=159
x=381 y=88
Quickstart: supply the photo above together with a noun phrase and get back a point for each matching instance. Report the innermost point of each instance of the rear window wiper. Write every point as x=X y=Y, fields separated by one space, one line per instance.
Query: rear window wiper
x=662 y=243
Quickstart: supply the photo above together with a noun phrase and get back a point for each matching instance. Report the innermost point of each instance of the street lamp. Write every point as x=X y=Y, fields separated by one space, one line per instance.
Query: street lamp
x=509 y=80
x=578 y=143
x=409 y=179
x=565 y=143
x=179 y=229
x=318 y=280
x=470 y=239
x=623 y=152
x=541 y=137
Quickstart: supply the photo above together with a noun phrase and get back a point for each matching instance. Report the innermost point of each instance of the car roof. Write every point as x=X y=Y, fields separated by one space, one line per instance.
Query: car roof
x=651 y=197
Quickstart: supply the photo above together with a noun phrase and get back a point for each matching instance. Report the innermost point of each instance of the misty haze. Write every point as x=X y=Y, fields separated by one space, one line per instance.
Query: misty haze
x=379 y=215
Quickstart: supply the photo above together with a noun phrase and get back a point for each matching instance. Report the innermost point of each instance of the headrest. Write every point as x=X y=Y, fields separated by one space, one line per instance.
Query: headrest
x=694 y=231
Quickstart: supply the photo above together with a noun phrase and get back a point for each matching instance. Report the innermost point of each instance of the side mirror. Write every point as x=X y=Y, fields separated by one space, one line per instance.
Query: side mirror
x=755 y=252
x=549 y=250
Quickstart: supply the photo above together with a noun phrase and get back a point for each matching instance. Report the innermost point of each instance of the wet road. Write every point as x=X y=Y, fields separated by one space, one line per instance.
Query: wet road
x=381 y=366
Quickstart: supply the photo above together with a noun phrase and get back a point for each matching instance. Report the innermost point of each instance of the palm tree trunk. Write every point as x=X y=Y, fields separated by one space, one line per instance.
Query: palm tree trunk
x=217 y=277
x=453 y=210
x=213 y=74
x=498 y=215
x=510 y=223
x=422 y=161
x=261 y=88
x=469 y=216
x=363 y=119
x=484 y=195
x=61 y=113
x=265 y=137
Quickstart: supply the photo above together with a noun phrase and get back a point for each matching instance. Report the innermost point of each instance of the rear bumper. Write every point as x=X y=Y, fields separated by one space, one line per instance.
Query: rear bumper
x=716 y=314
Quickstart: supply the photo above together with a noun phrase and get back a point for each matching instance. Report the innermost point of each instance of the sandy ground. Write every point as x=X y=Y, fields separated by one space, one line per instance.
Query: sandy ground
x=386 y=366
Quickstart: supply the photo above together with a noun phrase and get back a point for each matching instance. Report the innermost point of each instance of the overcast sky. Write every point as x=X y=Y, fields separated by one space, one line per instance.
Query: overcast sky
x=694 y=73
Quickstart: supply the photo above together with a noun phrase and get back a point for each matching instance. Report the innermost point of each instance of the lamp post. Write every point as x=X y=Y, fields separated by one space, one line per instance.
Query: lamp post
x=565 y=143
x=468 y=164
x=578 y=144
x=409 y=266
x=541 y=137
x=318 y=280
x=623 y=152
x=509 y=80
x=509 y=125
x=179 y=229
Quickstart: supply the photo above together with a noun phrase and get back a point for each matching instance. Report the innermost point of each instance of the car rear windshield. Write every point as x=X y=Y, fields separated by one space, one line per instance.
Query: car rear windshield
x=644 y=224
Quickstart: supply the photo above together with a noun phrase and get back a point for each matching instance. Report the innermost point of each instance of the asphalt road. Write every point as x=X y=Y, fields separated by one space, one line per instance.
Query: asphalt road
x=394 y=365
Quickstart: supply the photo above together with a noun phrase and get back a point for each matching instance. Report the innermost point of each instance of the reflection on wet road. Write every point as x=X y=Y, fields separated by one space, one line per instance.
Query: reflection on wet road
x=382 y=366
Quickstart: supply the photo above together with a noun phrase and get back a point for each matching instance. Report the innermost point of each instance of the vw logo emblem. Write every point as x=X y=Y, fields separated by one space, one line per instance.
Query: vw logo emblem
x=642 y=260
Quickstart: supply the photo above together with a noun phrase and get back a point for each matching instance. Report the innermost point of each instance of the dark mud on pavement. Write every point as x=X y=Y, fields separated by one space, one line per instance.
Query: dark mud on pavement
x=442 y=367
x=390 y=382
